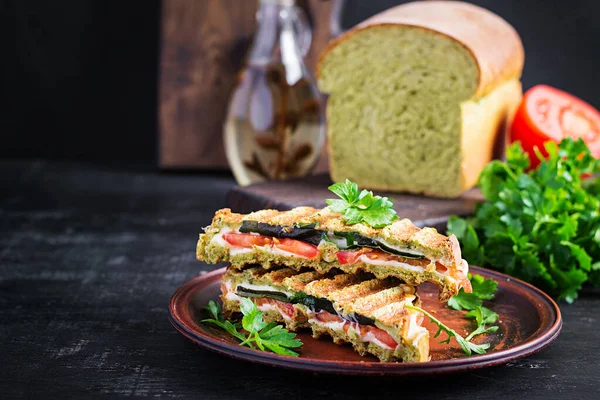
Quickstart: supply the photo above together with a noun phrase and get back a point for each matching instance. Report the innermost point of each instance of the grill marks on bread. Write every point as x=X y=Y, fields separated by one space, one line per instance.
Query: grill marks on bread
x=363 y=295
x=401 y=232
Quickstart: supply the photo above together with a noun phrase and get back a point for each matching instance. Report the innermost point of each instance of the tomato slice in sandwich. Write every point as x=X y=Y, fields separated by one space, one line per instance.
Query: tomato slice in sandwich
x=297 y=247
x=382 y=336
x=248 y=240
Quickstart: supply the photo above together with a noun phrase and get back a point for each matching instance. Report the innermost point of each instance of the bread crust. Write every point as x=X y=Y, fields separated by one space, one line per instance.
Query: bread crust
x=493 y=42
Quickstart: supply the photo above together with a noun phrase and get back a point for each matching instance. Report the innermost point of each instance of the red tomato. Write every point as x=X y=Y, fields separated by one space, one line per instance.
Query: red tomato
x=351 y=256
x=547 y=114
x=440 y=268
x=261 y=301
x=324 y=316
x=383 y=336
x=297 y=247
x=247 y=240
x=285 y=308
x=379 y=334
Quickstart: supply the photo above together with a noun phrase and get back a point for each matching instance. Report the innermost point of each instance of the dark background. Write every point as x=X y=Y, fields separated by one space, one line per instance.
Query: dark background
x=79 y=77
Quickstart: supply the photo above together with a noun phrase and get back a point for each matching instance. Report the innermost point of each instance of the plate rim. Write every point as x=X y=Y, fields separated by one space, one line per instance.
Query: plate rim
x=181 y=318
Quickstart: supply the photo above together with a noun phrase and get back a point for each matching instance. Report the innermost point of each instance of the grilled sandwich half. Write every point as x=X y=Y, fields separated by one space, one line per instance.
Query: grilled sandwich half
x=319 y=239
x=358 y=309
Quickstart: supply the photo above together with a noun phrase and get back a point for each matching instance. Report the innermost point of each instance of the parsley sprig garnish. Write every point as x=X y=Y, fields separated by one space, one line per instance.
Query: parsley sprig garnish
x=257 y=333
x=483 y=316
x=483 y=289
x=465 y=344
x=543 y=225
x=362 y=206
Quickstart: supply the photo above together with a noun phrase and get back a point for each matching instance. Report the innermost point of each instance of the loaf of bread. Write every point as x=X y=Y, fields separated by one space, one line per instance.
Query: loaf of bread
x=418 y=95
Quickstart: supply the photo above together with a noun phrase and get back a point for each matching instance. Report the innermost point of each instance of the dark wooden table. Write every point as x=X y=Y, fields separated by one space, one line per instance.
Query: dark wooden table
x=89 y=257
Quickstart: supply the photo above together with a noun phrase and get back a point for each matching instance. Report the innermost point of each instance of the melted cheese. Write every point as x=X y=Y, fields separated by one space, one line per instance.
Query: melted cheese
x=369 y=337
x=341 y=243
x=398 y=264
x=389 y=263
x=415 y=331
x=230 y=292
x=338 y=326
x=463 y=266
x=275 y=250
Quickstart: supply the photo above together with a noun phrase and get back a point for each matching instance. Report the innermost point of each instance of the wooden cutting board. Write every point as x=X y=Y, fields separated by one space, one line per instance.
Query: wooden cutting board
x=312 y=191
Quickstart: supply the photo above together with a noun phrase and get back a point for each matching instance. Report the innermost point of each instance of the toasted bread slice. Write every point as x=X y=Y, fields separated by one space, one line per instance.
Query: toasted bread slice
x=368 y=313
x=319 y=239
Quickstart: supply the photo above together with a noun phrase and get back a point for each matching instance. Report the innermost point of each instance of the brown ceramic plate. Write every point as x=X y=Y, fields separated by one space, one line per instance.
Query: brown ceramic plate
x=529 y=320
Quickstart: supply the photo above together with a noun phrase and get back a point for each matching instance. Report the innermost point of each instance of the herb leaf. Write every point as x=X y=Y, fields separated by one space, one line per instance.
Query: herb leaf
x=467 y=346
x=482 y=316
x=483 y=289
x=278 y=335
x=269 y=336
x=541 y=225
x=464 y=300
x=221 y=322
x=252 y=319
x=362 y=206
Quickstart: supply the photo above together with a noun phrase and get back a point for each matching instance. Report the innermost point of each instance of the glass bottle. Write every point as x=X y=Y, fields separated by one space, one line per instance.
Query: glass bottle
x=275 y=125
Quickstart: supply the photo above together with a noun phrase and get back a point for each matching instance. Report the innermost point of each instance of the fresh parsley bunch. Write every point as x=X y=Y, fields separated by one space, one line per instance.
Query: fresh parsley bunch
x=362 y=206
x=542 y=226
x=265 y=336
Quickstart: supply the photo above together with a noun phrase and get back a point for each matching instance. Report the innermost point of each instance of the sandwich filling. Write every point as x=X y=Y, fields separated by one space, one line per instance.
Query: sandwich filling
x=335 y=305
x=347 y=249
x=402 y=250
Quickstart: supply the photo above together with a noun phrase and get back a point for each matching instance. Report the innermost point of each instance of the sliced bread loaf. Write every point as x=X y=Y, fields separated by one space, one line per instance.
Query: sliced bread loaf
x=419 y=94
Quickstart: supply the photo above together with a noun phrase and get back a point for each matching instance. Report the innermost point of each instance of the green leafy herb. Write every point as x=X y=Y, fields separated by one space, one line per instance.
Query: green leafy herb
x=483 y=316
x=219 y=320
x=265 y=336
x=542 y=226
x=465 y=344
x=464 y=301
x=362 y=206
x=483 y=289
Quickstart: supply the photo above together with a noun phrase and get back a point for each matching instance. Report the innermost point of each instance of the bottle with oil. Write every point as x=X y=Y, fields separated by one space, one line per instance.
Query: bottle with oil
x=275 y=125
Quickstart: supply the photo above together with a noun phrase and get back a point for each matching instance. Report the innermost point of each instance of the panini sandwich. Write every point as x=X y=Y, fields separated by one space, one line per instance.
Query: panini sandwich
x=354 y=308
x=305 y=237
